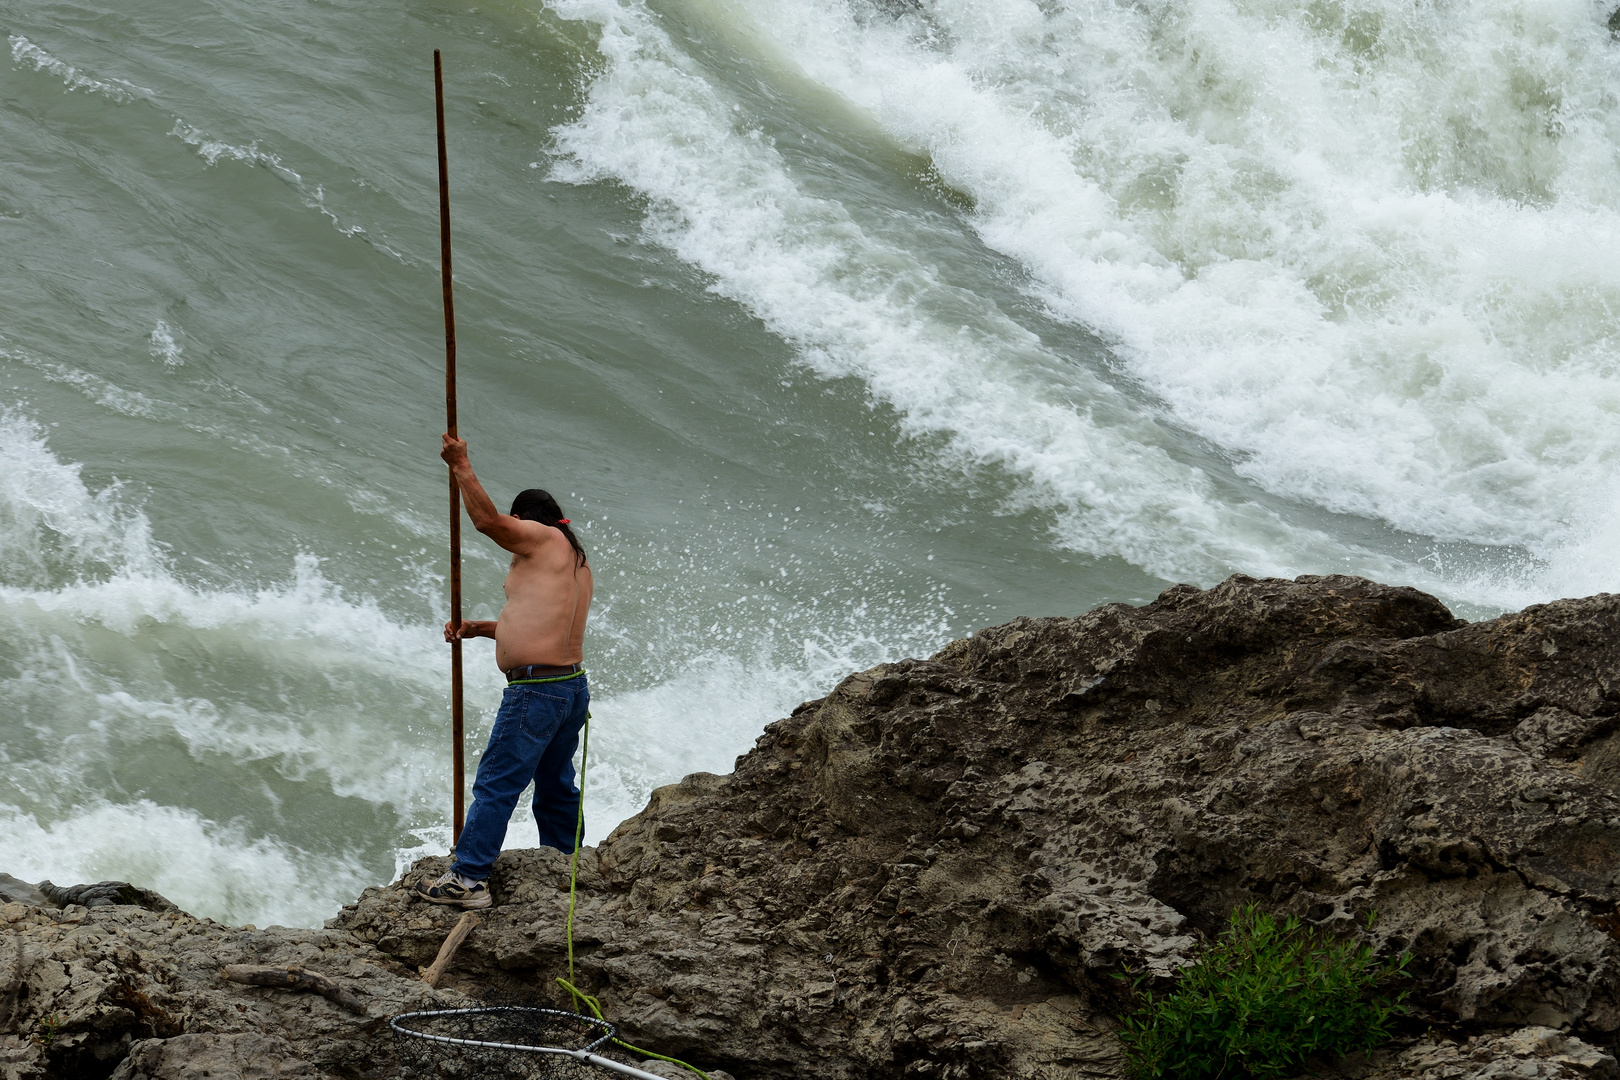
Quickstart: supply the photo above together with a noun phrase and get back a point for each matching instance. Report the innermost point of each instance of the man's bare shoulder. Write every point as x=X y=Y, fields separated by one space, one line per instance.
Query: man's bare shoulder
x=524 y=539
x=545 y=543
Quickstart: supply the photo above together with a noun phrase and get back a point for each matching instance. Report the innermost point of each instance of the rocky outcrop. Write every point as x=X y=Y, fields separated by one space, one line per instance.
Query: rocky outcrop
x=1527 y=1052
x=936 y=870
x=16 y=891
x=105 y=894
x=193 y=1057
x=87 y=991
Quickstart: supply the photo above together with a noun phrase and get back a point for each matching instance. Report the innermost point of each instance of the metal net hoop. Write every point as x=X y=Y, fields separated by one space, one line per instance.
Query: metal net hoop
x=509 y=1041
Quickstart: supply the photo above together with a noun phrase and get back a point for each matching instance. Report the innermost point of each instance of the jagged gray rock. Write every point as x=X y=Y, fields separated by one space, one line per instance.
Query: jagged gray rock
x=1527 y=1052
x=82 y=988
x=674 y=1072
x=15 y=890
x=105 y=894
x=245 y=1056
x=936 y=870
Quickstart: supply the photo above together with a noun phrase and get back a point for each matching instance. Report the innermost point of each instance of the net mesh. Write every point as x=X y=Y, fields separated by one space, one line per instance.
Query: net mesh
x=505 y=1042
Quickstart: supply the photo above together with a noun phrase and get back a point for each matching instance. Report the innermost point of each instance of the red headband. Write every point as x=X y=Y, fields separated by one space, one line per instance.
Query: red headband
x=562 y=521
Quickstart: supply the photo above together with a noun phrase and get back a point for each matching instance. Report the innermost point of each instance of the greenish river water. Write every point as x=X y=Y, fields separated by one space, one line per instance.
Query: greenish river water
x=839 y=327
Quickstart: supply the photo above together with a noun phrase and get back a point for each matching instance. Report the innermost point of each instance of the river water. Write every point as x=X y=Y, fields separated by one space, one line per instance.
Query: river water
x=838 y=327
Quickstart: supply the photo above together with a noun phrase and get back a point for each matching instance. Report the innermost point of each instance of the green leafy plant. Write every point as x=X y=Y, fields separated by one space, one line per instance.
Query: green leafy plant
x=46 y=1030
x=1263 y=998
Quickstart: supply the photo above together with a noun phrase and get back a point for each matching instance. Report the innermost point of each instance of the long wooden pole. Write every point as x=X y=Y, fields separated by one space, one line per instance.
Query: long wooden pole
x=458 y=768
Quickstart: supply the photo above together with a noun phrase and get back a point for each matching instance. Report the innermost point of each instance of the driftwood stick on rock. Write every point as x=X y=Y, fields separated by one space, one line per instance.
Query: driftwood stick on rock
x=447 y=952
x=293 y=978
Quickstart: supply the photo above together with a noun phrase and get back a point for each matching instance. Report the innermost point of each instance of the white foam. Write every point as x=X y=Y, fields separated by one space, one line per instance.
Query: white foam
x=214 y=150
x=1376 y=270
x=51 y=525
x=857 y=304
x=165 y=346
x=25 y=51
x=88 y=558
x=700 y=719
x=320 y=687
x=207 y=868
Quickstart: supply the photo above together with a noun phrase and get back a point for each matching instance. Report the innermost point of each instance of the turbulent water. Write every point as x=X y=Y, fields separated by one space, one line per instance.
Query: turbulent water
x=839 y=327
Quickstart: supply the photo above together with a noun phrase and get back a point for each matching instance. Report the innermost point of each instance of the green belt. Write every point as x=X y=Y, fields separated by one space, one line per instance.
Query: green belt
x=554 y=678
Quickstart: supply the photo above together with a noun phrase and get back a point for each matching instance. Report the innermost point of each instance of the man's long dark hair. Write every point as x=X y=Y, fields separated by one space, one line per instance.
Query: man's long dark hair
x=537 y=505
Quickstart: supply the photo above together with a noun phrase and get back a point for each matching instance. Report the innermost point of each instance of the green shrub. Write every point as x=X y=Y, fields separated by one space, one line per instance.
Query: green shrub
x=46 y=1029
x=1264 y=997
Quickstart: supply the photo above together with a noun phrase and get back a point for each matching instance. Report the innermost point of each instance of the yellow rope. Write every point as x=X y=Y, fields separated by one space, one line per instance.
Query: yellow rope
x=573 y=885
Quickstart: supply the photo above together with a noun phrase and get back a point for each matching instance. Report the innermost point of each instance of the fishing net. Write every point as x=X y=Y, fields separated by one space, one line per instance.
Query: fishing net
x=503 y=1042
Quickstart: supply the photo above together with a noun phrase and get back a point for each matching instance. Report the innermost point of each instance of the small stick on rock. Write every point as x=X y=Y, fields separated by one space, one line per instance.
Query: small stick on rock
x=447 y=951
x=292 y=978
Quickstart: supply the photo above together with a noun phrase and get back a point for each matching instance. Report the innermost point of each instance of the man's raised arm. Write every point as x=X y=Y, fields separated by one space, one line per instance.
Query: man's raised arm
x=513 y=534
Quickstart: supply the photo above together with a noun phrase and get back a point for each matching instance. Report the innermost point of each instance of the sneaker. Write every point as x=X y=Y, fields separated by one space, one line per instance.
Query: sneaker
x=454 y=890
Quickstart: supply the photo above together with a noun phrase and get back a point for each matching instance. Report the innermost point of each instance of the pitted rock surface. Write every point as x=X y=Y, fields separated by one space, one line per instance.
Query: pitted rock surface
x=1531 y=1052
x=104 y=894
x=244 y=1056
x=87 y=991
x=937 y=870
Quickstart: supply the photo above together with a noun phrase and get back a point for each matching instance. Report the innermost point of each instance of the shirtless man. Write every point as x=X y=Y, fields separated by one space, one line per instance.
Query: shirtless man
x=539 y=642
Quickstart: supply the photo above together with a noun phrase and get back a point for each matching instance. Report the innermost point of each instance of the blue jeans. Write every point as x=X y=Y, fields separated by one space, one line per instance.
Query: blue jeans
x=536 y=733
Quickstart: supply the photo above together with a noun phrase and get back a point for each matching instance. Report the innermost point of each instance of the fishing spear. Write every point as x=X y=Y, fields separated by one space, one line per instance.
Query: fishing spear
x=458 y=769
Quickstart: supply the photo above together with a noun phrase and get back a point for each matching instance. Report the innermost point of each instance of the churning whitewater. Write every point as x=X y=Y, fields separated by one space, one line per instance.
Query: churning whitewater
x=846 y=326
x=1362 y=248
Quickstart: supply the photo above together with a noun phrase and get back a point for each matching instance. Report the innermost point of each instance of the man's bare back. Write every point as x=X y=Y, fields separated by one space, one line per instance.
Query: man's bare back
x=548 y=586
